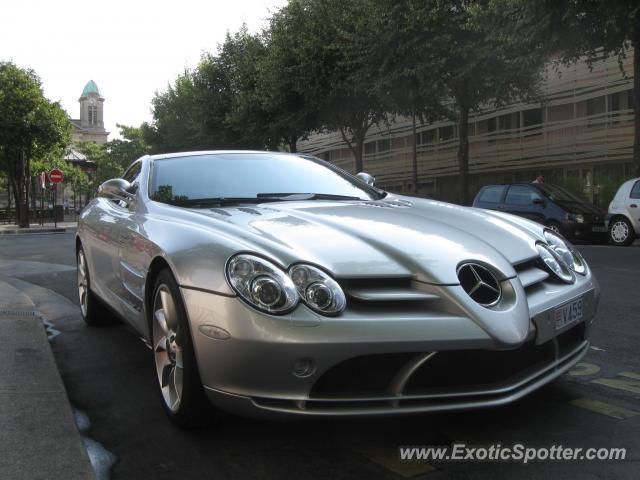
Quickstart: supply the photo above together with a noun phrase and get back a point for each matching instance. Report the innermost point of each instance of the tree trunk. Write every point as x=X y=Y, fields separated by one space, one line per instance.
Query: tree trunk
x=414 y=160
x=21 y=190
x=636 y=100
x=463 y=154
x=358 y=150
x=293 y=144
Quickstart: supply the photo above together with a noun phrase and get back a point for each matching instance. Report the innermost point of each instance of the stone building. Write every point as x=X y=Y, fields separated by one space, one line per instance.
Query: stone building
x=90 y=125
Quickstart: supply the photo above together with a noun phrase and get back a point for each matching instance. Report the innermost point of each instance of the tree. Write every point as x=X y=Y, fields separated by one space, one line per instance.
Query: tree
x=485 y=52
x=177 y=121
x=293 y=109
x=597 y=29
x=217 y=105
x=127 y=149
x=408 y=78
x=31 y=127
x=248 y=123
x=329 y=42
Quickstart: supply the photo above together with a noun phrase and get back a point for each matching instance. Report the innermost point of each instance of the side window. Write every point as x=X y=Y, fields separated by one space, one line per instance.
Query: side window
x=635 y=190
x=492 y=194
x=521 y=195
x=132 y=173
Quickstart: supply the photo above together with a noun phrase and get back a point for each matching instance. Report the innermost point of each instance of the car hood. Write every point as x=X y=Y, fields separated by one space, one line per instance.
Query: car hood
x=399 y=236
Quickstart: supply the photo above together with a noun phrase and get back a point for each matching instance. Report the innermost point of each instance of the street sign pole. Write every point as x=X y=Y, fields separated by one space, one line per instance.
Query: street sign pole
x=56 y=177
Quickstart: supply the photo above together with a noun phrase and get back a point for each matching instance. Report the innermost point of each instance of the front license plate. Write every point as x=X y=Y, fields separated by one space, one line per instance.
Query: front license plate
x=599 y=228
x=568 y=314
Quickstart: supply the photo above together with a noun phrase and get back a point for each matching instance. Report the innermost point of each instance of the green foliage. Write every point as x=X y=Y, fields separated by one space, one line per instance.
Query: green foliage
x=31 y=128
x=329 y=44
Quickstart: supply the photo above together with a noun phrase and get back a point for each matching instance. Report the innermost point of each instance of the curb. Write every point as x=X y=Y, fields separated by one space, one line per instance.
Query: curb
x=40 y=438
x=28 y=231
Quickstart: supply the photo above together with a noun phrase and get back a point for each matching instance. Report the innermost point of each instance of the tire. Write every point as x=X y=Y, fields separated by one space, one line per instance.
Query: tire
x=93 y=311
x=180 y=387
x=621 y=232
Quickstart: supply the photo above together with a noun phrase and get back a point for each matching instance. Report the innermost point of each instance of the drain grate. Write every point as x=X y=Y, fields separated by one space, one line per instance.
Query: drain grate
x=19 y=313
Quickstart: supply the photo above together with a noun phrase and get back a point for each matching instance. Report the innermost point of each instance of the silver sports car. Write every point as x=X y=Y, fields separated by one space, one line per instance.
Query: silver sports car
x=278 y=284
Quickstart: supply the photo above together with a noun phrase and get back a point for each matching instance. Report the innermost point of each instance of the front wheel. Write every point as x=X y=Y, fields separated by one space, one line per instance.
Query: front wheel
x=621 y=232
x=182 y=393
x=93 y=311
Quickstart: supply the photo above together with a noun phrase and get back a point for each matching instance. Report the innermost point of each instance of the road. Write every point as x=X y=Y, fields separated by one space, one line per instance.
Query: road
x=109 y=374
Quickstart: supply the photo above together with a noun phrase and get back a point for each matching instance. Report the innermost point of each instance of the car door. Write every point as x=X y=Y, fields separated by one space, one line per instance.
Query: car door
x=632 y=205
x=525 y=201
x=102 y=238
x=133 y=253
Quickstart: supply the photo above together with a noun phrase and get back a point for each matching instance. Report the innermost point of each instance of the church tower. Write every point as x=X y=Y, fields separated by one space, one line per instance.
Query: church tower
x=91 y=109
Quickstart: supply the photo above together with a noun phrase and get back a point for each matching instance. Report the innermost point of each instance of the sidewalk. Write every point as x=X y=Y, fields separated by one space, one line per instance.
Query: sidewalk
x=39 y=438
x=11 y=229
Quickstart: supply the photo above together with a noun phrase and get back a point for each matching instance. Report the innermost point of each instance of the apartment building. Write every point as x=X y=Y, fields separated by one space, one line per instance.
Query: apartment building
x=580 y=135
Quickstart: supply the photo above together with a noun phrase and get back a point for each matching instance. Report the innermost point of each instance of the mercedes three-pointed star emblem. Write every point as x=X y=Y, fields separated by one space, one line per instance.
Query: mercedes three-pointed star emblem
x=480 y=284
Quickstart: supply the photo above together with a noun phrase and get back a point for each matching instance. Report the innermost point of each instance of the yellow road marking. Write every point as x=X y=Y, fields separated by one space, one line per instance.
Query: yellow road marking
x=632 y=386
x=603 y=408
x=387 y=457
x=583 y=369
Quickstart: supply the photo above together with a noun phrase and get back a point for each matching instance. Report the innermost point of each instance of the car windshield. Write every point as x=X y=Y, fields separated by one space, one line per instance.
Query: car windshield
x=227 y=177
x=559 y=194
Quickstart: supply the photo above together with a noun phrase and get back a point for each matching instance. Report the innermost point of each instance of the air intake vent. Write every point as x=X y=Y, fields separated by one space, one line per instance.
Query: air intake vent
x=480 y=284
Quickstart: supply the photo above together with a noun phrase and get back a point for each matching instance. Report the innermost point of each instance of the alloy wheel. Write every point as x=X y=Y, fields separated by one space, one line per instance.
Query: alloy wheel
x=554 y=228
x=83 y=284
x=620 y=231
x=166 y=347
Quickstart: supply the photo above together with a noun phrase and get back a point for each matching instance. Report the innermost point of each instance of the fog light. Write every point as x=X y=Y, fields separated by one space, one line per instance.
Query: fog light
x=304 y=367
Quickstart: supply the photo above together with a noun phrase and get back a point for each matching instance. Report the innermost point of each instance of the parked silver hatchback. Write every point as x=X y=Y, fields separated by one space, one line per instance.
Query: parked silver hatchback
x=623 y=218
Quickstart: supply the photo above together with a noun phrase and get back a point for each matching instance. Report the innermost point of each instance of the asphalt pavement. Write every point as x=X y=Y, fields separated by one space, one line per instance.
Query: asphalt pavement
x=109 y=374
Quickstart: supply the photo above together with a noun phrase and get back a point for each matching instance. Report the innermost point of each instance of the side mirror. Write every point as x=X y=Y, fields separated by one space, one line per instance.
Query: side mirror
x=115 y=189
x=366 y=178
x=539 y=201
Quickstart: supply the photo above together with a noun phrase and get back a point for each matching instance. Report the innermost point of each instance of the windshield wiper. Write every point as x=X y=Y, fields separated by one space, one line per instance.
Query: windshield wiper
x=219 y=201
x=306 y=196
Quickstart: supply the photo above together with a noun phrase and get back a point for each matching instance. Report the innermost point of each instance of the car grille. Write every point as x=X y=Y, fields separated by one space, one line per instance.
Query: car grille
x=371 y=375
x=385 y=290
x=450 y=380
x=531 y=273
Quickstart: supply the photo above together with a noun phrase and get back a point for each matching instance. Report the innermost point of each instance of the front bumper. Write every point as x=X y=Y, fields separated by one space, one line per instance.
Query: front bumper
x=585 y=231
x=380 y=362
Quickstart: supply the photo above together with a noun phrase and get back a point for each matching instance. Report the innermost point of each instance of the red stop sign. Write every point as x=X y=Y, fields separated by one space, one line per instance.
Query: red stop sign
x=56 y=175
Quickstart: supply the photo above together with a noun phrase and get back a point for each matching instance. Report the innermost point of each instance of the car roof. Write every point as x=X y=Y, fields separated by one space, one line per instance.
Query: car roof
x=531 y=184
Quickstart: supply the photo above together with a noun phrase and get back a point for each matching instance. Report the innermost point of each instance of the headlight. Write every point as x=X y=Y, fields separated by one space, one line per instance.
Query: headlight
x=566 y=251
x=554 y=264
x=261 y=284
x=318 y=290
x=576 y=217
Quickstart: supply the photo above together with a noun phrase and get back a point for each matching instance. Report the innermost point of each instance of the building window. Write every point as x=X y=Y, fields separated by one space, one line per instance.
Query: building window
x=92 y=114
x=384 y=145
x=532 y=117
x=509 y=121
x=491 y=129
x=447 y=133
x=370 y=148
x=427 y=138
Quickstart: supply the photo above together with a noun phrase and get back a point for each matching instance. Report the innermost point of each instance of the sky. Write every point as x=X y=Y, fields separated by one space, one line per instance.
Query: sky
x=131 y=49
